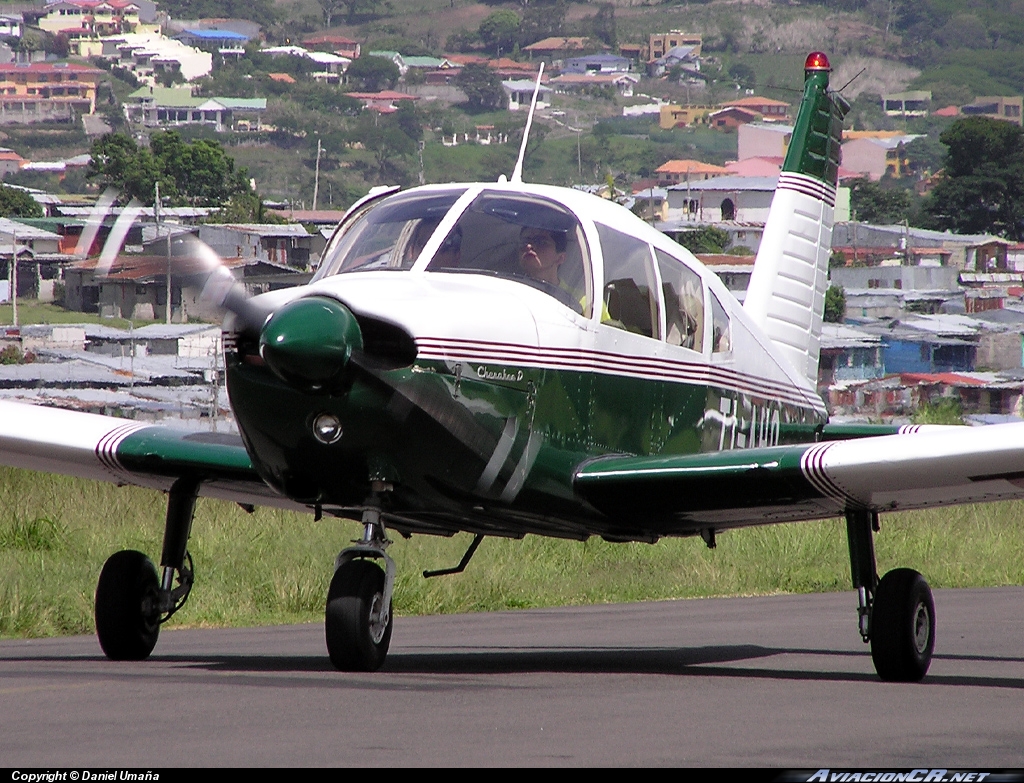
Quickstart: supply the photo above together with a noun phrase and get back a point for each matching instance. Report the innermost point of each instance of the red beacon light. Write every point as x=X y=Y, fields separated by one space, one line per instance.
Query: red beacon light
x=817 y=61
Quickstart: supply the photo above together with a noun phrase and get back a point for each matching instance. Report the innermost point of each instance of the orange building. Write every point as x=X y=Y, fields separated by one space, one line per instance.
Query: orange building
x=675 y=171
x=36 y=92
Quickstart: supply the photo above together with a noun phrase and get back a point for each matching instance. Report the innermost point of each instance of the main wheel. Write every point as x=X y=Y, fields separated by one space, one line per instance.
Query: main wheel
x=357 y=633
x=126 y=595
x=902 y=626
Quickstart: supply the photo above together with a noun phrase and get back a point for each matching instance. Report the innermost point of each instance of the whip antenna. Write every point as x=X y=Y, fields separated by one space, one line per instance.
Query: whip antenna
x=517 y=173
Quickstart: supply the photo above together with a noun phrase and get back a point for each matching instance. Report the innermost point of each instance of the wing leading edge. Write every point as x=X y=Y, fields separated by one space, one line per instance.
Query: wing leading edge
x=121 y=451
x=923 y=469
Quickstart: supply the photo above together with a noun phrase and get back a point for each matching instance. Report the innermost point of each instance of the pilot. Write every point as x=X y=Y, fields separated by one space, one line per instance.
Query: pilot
x=541 y=252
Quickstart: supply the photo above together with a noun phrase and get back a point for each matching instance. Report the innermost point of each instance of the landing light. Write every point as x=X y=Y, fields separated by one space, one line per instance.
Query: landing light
x=817 y=61
x=327 y=428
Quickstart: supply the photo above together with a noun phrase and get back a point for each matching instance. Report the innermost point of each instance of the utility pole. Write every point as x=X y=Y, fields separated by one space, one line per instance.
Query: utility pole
x=14 y=278
x=316 y=178
x=156 y=217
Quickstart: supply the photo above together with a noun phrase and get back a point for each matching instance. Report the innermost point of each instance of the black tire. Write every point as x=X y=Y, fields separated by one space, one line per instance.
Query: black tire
x=902 y=626
x=354 y=643
x=127 y=632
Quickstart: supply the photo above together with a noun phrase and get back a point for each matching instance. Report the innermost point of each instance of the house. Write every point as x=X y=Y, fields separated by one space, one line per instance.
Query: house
x=671 y=115
x=661 y=43
x=998 y=107
x=559 y=47
x=135 y=287
x=596 y=63
x=288 y=245
x=89 y=18
x=731 y=117
x=161 y=107
x=10 y=161
x=11 y=26
x=623 y=83
x=337 y=44
x=727 y=198
x=763 y=140
x=848 y=354
x=928 y=247
x=520 y=94
x=149 y=56
x=685 y=57
x=46 y=92
x=226 y=43
x=383 y=101
x=673 y=172
x=769 y=109
x=40 y=260
x=876 y=156
x=914 y=103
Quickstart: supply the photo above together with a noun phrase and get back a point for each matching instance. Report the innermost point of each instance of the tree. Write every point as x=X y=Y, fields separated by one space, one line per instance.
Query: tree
x=500 y=30
x=329 y=9
x=873 y=203
x=705 y=240
x=982 y=190
x=199 y=173
x=482 y=87
x=744 y=75
x=373 y=73
x=835 y=305
x=15 y=202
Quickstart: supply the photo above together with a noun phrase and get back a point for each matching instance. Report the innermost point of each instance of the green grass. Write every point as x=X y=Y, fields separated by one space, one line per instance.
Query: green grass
x=273 y=567
x=33 y=312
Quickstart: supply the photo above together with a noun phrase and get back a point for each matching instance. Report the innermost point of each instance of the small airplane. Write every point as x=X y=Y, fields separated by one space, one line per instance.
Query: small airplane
x=506 y=358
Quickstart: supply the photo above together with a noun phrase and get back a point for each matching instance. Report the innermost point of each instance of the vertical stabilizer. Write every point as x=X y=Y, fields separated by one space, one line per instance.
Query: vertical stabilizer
x=786 y=295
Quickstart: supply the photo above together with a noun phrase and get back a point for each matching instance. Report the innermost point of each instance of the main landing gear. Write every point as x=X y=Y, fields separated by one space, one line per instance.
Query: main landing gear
x=131 y=600
x=357 y=620
x=897 y=613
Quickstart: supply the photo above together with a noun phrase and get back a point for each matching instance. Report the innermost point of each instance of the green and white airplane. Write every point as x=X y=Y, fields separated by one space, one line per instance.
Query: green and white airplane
x=507 y=358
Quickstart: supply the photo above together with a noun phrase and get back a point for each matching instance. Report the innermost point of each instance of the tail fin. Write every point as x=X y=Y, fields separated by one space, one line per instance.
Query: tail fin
x=786 y=295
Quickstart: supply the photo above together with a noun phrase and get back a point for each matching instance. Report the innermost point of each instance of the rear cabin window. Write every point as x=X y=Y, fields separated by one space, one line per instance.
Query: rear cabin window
x=721 y=331
x=683 y=293
x=630 y=287
x=524 y=238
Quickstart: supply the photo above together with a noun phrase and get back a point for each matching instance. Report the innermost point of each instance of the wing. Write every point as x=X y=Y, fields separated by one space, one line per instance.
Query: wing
x=128 y=452
x=928 y=467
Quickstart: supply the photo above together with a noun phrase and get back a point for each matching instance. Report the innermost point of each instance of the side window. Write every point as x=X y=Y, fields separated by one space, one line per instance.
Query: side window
x=721 y=332
x=683 y=292
x=630 y=287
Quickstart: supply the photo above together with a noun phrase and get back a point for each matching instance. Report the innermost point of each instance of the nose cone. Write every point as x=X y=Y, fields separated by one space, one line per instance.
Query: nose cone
x=308 y=342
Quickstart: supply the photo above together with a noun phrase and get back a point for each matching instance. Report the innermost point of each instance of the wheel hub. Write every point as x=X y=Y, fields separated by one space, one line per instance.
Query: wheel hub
x=378 y=618
x=922 y=628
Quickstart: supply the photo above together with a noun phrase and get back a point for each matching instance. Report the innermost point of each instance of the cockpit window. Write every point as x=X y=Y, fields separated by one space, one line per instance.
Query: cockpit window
x=389 y=235
x=524 y=238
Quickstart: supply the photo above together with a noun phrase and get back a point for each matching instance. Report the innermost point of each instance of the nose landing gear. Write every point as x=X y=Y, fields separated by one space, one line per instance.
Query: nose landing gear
x=357 y=619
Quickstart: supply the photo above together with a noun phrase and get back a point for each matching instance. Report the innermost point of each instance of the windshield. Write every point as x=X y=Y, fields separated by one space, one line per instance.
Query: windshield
x=389 y=234
x=525 y=238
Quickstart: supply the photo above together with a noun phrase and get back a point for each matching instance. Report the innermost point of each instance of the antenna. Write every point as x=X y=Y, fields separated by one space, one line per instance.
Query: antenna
x=517 y=173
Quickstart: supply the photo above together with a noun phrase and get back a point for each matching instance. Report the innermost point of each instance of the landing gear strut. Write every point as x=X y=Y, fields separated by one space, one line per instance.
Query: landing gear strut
x=897 y=614
x=357 y=620
x=131 y=601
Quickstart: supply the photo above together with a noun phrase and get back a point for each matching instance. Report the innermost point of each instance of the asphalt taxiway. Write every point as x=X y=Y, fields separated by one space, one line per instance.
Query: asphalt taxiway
x=780 y=681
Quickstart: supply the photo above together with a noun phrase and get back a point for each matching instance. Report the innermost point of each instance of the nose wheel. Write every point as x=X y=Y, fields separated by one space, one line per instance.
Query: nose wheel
x=358 y=620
